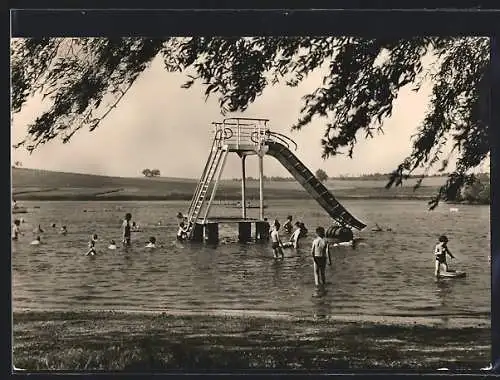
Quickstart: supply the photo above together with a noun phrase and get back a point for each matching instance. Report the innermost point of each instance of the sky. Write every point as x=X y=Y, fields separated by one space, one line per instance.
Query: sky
x=160 y=125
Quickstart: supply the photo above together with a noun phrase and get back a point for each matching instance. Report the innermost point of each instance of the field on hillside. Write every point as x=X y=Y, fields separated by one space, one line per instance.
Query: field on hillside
x=38 y=184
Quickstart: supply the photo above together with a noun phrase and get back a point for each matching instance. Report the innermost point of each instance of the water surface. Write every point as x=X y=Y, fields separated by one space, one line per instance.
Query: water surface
x=390 y=274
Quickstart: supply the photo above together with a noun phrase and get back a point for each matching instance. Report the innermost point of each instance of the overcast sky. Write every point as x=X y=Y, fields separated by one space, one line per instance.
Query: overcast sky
x=160 y=125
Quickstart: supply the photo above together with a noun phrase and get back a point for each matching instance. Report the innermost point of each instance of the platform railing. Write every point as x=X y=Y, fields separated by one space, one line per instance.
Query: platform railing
x=239 y=131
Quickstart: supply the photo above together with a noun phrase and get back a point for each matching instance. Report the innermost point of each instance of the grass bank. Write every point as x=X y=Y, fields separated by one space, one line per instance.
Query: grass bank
x=159 y=342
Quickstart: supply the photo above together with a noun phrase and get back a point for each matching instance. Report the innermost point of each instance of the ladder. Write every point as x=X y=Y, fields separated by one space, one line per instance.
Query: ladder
x=217 y=156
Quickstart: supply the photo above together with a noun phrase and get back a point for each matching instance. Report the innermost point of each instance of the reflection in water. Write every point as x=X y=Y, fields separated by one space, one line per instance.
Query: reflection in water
x=387 y=274
x=321 y=304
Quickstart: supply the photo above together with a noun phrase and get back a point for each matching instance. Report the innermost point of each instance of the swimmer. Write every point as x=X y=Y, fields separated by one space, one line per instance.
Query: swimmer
x=276 y=241
x=53 y=225
x=151 y=242
x=440 y=252
x=37 y=241
x=294 y=239
x=92 y=242
x=303 y=230
x=320 y=254
x=126 y=227
x=112 y=245
x=288 y=225
x=16 y=231
x=38 y=230
x=63 y=230
x=182 y=232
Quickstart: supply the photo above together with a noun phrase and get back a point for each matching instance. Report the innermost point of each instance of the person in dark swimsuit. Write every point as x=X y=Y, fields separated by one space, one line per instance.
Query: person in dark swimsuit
x=320 y=254
x=127 y=227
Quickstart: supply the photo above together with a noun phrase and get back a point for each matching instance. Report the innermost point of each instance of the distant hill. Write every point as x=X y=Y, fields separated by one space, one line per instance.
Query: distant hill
x=32 y=184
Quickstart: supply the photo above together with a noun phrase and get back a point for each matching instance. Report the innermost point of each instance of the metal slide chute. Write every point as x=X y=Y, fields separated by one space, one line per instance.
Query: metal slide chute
x=311 y=184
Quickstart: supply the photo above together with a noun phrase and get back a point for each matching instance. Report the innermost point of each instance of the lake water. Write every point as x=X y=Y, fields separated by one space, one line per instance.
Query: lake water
x=390 y=274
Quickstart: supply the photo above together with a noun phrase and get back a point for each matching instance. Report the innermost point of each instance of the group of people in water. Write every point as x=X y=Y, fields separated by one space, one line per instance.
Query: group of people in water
x=320 y=251
x=127 y=228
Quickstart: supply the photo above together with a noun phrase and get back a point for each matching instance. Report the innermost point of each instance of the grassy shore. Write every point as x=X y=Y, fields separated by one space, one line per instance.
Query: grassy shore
x=29 y=184
x=159 y=342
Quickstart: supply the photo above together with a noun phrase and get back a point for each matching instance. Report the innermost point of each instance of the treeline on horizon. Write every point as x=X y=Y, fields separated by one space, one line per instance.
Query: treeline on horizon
x=363 y=177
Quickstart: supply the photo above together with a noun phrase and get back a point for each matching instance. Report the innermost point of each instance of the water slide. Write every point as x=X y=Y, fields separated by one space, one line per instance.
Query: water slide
x=311 y=184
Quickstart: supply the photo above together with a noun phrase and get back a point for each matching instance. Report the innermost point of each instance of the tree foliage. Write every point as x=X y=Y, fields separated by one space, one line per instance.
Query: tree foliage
x=151 y=172
x=85 y=78
x=321 y=175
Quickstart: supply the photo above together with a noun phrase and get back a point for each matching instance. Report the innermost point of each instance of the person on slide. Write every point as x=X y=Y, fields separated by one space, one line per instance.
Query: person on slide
x=440 y=252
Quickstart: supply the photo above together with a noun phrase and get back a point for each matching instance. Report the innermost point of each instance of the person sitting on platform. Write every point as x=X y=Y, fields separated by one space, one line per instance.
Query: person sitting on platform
x=288 y=227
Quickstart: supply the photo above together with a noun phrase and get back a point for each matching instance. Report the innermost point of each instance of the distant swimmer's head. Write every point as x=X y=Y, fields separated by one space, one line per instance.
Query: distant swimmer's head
x=94 y=237
x=112 y=242
x=17 y=222
x=53 y=225
x=180 y=216
x=277 y=225
x=265 y=219
x=133 y=224
x=443 y=239
x=289 y=217
x=63 y=228
x=152 y=240
x=320 y=231
x=128 y=216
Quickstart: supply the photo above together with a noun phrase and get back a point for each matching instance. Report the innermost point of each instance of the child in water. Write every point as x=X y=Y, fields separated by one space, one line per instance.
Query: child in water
x=288 y=225
x=64 y=230
x=112 y=245
x=303 y=229
x=38 y=230
x=294 y=239
x=151 y=242
x=126 y=227
x=276 y=241
x=320 y=253
x=182 y=231
x=440 y=252
x=37 y=241
x=16 y=231
x=92 y=242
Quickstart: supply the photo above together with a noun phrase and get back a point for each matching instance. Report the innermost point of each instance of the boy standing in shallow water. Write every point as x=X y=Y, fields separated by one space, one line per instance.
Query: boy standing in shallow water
x=276 y=241
x=320 y=253
x=126 y=227
x=440 y=252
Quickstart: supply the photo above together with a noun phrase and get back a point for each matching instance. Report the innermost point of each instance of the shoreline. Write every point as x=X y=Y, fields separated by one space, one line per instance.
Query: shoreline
x=142 y=341
x=117 y=198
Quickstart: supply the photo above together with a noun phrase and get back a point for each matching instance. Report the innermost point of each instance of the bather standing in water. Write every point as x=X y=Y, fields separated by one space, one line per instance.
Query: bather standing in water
x=127 y=227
